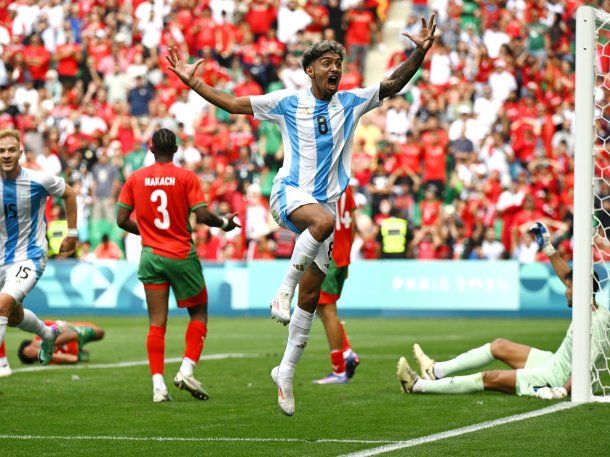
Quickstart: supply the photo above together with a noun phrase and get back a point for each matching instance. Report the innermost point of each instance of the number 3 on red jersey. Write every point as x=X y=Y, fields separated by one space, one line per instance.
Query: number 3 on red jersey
x=161 y=196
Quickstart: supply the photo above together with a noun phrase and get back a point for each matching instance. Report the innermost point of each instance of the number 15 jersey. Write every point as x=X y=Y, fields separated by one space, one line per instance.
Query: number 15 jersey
x=163 y=197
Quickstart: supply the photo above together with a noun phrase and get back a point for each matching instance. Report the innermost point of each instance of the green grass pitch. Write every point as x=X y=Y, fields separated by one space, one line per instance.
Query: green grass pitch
x=69 y=404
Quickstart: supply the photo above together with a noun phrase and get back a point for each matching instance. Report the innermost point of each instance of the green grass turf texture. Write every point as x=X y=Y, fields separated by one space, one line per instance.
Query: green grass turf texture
x=117 y=401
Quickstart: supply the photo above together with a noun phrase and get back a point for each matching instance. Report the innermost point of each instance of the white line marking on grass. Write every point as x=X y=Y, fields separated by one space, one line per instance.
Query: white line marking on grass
x=461 y=431
x=187 y=439
x=135 y=363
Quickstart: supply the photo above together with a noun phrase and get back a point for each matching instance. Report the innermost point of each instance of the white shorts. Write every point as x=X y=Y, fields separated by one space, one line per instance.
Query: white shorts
x=19 y=278
x=284 y=200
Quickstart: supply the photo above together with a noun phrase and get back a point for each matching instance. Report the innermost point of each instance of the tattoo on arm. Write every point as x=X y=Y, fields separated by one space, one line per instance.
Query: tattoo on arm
x=402 y=75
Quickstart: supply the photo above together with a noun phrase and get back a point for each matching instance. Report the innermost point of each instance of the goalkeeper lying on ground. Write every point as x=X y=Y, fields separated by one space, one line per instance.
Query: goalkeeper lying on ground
x=533 y=372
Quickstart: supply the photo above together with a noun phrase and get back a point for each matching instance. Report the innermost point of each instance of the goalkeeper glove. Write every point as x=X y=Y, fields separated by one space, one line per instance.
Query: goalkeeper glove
x=551 y=393
x=543 y=238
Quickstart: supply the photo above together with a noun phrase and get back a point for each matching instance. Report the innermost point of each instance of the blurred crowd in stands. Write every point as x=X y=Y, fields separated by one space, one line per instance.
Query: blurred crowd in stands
x=478 y=146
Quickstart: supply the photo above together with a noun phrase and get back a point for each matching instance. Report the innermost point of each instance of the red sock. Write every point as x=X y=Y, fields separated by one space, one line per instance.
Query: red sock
x=346 y=345
x=195 y=334
x=155 y=345
x=2 y=350
x=336 y=358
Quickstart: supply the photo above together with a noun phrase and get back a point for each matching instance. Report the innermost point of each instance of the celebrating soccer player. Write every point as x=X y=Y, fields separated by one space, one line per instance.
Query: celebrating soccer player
x=317 y=128
x=342 y=358
x=163 y=196
x=23 y=242
x=533 y=371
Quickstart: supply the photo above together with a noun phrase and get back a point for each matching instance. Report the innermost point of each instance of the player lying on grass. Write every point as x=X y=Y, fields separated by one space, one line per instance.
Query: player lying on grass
x=343 y=360
x=533 y=371
x=163 y=196
x=317 y=128
x=23 y=241
x=69 y=345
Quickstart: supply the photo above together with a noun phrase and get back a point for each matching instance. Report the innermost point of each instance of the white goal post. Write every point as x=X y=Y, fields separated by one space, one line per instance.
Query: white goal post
x=590 y=242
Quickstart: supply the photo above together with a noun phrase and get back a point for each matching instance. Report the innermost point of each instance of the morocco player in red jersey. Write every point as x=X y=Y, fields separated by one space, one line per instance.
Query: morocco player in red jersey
x=163 y=196
x=342 y=358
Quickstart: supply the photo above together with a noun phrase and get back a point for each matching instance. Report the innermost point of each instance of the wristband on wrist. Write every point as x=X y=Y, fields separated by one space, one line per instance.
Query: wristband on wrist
x=72 y=233
x=225 y=223
x=548 y=249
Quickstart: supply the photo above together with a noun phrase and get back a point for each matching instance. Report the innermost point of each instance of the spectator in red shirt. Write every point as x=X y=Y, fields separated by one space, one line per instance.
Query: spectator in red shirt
x=360 y=25
x=37 y=60
x=68 y=57
x=107 y=249
x=260 y=17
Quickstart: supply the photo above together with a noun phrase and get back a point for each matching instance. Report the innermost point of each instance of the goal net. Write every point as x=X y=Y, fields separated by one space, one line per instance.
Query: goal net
x=591 y=332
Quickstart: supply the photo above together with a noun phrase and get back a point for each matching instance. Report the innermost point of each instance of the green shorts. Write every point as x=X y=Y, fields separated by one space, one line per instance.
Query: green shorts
x=333 y=284
x=185 y=276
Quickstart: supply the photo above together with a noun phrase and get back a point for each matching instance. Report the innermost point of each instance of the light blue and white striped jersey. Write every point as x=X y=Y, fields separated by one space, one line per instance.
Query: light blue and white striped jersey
x=317 y=136
x=22 y=223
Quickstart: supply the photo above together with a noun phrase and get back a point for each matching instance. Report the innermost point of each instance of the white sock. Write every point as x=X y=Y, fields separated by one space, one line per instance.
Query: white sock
x=158 y=382
x=187 y=367
x=305 y=251
x=475 y=358
x=32 y=324
x=298 y=334
x=347 y=353
x=3 y=362
x=456 y=385
x=3 y=324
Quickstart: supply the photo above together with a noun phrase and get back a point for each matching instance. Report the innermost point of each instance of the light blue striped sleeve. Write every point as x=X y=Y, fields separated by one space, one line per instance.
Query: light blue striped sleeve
x=371 y=95
x=54 y=185
x=267 y=107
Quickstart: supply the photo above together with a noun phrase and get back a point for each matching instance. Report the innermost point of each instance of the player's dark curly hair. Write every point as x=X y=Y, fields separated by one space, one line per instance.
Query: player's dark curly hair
x=595 y=285
x=317 y=50
x=20 y=353
x=164 y=142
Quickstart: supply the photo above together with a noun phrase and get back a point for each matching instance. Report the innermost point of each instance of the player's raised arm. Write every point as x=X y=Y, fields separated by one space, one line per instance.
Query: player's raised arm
x=68 y=245
x=186 y=73
x=543 y=238
x=403 y=74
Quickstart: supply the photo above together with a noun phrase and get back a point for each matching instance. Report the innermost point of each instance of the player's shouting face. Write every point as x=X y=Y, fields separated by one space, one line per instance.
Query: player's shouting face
x=10 y=151
x=325 y=73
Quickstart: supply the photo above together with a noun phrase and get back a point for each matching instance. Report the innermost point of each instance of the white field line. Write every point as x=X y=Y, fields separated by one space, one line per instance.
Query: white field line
x=185 y=439
x=135 y=363
x=461 y=431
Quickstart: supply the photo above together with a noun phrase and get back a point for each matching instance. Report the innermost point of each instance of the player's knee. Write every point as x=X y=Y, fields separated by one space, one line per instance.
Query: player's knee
x=324 y=226
x=498 y=346
x=489 y=378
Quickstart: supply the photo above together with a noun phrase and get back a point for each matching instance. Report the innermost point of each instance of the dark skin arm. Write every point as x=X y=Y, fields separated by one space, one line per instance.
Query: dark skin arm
x=207 y=217
x=68 y=245
x=403 y=74
x=123 y=221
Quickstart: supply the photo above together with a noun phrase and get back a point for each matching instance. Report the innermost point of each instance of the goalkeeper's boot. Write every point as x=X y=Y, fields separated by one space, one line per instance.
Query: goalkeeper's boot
x=285 y=398
x=5 y=371
x=406 y=376
x=190 y=384
x=47 y=346
x=351 y=362
x=160 y=395
x=426 y=364
x=333 y=379
x=280 y=306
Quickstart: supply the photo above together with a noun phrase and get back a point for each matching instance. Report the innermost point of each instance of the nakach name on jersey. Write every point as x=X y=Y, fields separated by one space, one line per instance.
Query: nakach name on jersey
x=23 y=228
x=342 y=244
x=163 y=196
x=317 y=136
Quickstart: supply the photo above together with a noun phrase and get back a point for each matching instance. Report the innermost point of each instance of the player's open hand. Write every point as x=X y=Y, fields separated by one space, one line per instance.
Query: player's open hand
x=184 y=71
x=67 y=248
x=425 y=38
x=231 y=222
